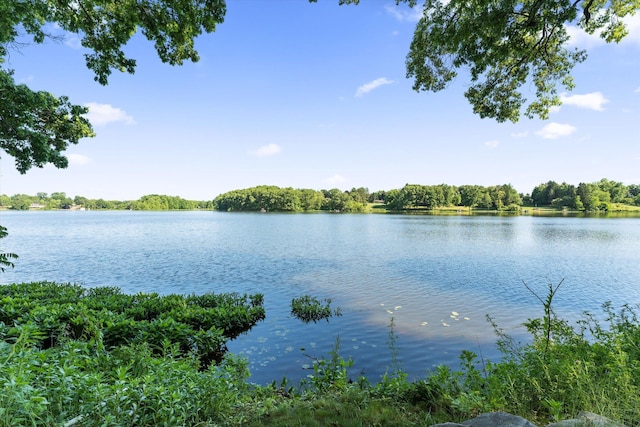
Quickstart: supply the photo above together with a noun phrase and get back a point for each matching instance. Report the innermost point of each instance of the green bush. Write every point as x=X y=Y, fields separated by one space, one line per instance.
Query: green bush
x=311 y=309
x=197 y=324
x=77 y=384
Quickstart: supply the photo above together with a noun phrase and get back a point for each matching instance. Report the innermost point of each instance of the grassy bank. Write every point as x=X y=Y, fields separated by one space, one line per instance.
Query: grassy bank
x=52 y=374
x=616 y=210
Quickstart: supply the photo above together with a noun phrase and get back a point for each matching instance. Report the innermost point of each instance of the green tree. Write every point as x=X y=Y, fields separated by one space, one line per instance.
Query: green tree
x=81 y=201
x=5 y=201
x=393 y=199
x=633 y=194
x=311 y=200
x=37 y=127
x=470 y=195
x=336 y=200
x=377 y=196
x=506 y=45
x=151 y=202
x=101 y=204
x=359 y=195
x=617 y=190
x=557 y=195
x=21 y=202
x=451 y=195
x=543 y=194
x=577 y=204
x=593 y=198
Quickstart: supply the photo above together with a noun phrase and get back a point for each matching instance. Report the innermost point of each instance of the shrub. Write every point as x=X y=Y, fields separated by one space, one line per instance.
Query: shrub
x=196 y=324
x=311 y=309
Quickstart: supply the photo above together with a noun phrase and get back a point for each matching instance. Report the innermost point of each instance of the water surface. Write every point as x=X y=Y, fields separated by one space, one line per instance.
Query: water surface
x=435 y=276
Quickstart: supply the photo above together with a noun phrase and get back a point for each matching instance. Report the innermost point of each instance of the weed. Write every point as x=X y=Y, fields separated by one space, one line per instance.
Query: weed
x=311 y=309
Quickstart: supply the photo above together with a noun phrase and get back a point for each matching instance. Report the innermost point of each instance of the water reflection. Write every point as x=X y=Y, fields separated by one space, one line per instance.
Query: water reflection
x=418 y=270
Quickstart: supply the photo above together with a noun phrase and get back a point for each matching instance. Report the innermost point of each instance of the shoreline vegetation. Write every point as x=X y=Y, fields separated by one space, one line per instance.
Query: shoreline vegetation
x=75 y=356
x=550 y=198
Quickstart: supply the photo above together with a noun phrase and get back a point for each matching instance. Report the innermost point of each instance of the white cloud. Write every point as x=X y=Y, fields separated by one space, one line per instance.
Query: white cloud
x=580 y=38
x=73 y=41
x=522 y=134
x=492 y=144
x=556 y=130
x=368 y=87
x=637 y=90
x=69 y=39
x=633 y=25
x=102 y=114
x=266 y=150
x=27 y=79
x=336 y=179
x=410 y=15
x=78 y=159
x=591 y=101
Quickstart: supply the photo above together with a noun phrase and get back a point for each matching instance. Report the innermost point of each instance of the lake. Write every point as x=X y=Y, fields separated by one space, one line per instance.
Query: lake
x=437 y=277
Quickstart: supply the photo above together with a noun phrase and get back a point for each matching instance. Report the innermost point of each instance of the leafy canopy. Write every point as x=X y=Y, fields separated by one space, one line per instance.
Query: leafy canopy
x=36 y=127
x=507 y=45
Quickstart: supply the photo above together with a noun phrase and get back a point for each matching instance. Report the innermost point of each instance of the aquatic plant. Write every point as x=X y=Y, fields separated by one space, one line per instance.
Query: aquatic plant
x=311 y=309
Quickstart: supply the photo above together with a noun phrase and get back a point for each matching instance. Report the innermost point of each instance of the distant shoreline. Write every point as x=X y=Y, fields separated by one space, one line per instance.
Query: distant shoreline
x=622 y=211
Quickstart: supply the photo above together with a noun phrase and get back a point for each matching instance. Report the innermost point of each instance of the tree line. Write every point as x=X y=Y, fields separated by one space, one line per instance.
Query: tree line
x=59 y=200
x=595 y=196
x=272 y=198
x=585 y=196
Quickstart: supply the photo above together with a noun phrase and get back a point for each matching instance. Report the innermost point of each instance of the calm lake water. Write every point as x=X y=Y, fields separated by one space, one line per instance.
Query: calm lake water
x=416 y=270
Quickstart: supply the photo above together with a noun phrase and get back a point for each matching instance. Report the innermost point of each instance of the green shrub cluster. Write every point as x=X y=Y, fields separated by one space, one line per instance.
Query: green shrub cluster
x=198 y=324
x=78 y=384
x=311 y=309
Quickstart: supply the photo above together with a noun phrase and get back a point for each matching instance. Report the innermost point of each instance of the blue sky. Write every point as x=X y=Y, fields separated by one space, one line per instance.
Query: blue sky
x=315 y=96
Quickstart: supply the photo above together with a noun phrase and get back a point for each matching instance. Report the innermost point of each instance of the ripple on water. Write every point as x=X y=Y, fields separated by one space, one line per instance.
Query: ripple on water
x=422 y=272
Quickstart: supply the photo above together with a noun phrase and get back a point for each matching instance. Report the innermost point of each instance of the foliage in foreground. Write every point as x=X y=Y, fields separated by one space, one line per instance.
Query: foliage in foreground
x=198 y=325
x=5 y=257
x=37 y=127
x=504 y=45
x=562 y=370
x=509 y=49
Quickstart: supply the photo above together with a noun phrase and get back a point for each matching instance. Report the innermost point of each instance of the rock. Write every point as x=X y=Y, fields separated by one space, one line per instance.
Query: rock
x=502 y=419
x=570 y=423
x=587 y=419
x=498 y=419
x=599 y=420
